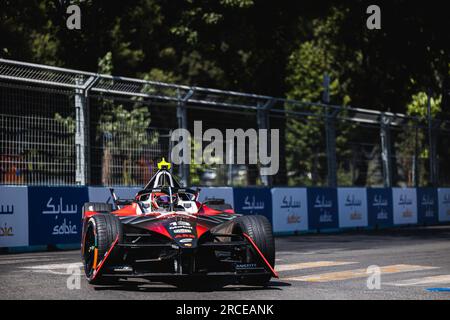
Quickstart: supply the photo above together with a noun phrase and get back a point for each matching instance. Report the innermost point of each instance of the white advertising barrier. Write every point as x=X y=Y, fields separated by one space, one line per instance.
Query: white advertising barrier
x=352 y=207
x=102 y=194
x=13 y=216
x=444 y=204
x=404 y=202
x=289 y=209
x=210 y=193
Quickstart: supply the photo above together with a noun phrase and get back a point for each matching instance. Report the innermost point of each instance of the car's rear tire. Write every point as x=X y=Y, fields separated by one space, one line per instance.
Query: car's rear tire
x=259 y=229
x=101 y=231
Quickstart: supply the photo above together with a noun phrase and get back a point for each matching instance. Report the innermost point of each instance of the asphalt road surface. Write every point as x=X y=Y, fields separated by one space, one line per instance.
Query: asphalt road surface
x=414 y=264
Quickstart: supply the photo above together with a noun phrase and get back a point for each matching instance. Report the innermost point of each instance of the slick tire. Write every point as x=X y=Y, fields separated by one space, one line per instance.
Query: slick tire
x=97 y=207
x=101 y=231
x=259 y=229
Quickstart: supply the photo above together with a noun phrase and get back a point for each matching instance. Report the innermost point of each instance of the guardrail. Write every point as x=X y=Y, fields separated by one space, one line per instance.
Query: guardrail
x=51 y=216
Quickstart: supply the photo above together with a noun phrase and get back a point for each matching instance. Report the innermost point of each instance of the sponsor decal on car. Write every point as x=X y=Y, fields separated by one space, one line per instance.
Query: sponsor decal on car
x=243 y=266
x=184 y=235
x=184 y=230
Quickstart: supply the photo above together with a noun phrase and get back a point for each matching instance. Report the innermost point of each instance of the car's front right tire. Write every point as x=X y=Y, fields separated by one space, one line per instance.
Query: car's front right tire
x=100 y=233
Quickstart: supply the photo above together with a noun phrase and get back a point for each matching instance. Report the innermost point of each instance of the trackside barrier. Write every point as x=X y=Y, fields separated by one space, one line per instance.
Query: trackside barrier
x=51 y=216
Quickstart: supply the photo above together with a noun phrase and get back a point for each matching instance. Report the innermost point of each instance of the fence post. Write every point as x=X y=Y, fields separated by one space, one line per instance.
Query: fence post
x=81 y=134
x=386 y=156
x=183 y=124
x=330 y=131
x=262 y=115
x=432 y=143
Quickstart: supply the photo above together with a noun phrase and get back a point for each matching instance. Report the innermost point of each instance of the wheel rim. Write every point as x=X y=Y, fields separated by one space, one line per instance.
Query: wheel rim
x=89 y=251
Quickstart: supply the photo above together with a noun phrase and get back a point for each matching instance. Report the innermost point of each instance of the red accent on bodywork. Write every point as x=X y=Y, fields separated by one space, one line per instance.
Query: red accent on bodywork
x=129 y=210
x=201 y=230
x=209 y=211
x=274 y=273
x=96 y=271
x=159 y=228
x=88 y=214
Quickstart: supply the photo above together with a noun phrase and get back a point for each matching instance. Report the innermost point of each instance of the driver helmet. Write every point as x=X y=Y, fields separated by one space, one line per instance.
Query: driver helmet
x=161 y=200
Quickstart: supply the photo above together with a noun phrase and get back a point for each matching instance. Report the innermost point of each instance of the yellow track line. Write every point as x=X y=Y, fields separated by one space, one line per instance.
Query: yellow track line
x=358 y=273
x=312 y=264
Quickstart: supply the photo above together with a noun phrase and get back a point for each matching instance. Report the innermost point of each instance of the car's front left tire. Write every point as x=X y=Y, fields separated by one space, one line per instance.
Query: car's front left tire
x=259 y=229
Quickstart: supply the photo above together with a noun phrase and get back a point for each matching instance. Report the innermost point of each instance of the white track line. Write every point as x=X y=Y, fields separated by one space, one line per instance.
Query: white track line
x=55 y=266
x=29 y=260
x=20 y=257
x=421 y=281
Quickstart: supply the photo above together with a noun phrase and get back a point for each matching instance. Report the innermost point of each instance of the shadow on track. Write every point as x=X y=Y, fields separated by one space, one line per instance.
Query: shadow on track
x=146 y=286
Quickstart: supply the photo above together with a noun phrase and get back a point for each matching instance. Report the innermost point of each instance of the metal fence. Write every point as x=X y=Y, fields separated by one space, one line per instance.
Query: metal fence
x=67 y=127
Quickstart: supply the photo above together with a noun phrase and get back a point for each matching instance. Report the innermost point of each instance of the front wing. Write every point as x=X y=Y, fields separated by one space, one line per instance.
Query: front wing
x=168 y=262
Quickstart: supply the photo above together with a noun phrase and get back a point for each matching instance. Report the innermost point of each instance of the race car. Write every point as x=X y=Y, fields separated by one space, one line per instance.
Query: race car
x=166 y=235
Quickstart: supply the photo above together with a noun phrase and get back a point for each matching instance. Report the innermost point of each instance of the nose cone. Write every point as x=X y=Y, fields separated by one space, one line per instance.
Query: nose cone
x=184 y=232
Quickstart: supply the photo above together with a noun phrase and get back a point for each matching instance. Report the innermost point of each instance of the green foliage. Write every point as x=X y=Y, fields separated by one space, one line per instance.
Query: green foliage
x=125 y=132
x=105 y=65
x=307 y=66
x=67 y=122
x=419 y=105
x=238 y=3
x=273 y=48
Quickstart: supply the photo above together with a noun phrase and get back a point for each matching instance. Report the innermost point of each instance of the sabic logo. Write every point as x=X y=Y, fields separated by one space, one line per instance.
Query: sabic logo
x=6 y=231
x=446 y=199
x=355 y=216
x=65 y=229
x=407 y=213
x=293 y=218
x=382 y=215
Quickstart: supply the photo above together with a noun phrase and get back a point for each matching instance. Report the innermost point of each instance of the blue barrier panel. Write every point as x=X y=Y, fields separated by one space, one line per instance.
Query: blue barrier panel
x=103 y=195
x=322 y=208
x=404 y=203
x=427 y=205
x=444 y=204
x=210 y=193
x=253 y=201
x=352 y=203
x=379 y=204
x=289 y=209
x=13 y=216
x=55 y=214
